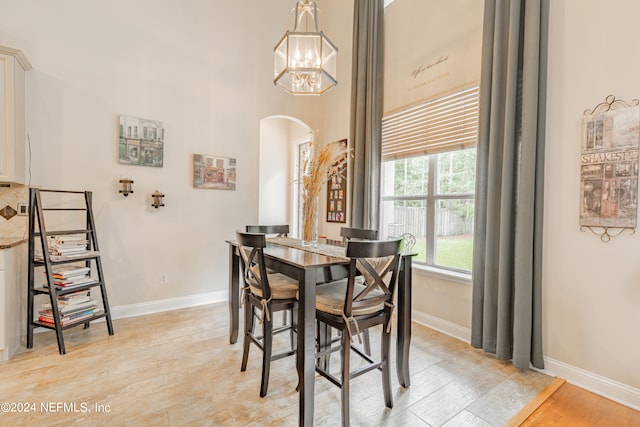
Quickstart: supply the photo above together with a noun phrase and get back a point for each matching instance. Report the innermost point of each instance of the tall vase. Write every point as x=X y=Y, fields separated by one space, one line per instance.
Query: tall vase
x=309 y=221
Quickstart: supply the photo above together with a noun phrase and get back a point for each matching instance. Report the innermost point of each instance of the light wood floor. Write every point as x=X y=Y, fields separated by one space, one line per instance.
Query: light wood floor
x=571 y=406
x=178 y=369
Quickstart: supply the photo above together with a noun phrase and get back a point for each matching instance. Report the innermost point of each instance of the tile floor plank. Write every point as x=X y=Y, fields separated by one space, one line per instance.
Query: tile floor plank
x=178 y=369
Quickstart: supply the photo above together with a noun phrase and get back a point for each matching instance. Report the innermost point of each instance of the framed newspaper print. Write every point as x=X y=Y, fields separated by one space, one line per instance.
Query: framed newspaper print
x=337 y=192
x=609 y=168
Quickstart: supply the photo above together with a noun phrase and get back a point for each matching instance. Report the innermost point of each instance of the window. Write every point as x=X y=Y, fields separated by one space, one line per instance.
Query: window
x=303 y=155
x=428 y=178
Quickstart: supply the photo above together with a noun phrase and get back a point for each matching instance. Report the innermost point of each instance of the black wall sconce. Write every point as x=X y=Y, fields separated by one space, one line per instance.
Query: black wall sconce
x=157 y=199
x=126 y=186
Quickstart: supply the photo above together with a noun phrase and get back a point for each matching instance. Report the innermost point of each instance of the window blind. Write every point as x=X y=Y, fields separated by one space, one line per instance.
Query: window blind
x=443 y=124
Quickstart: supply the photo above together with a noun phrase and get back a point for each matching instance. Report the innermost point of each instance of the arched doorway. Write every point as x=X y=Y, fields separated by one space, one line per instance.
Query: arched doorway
x=283 y=141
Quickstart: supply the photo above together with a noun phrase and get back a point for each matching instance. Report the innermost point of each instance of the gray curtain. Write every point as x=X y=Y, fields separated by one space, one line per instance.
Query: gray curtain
x=366 y=112
x=506 y=316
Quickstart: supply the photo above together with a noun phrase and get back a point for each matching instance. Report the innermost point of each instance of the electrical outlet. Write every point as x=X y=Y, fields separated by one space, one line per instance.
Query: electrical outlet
x=164 y=279
x=23 y=208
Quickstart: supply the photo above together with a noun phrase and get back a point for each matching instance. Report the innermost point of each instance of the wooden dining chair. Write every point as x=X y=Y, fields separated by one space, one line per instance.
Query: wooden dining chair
x=348 y=233
x=264 y=293
x=355 y=304
x=278 y=230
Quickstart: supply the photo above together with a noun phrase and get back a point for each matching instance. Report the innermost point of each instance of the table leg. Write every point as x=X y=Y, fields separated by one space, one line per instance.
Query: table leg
x=404 y=322
x=306 y=345
x=234 y=294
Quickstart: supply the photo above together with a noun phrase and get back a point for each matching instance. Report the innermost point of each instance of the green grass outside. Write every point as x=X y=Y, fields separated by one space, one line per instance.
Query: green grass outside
x=454 y=252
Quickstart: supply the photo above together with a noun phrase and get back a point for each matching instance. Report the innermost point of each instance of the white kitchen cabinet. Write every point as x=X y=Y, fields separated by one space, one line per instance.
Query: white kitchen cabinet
x=13 y=68
x=12 y=286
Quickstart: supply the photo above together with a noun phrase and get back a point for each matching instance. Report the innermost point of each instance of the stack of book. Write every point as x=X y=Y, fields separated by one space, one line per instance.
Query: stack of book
x=70 y=276
x=72 y=308
x=65 y=247
x=71 y=244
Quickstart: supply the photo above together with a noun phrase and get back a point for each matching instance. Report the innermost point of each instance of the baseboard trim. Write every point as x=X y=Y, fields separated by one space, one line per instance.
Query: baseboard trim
x=441 y=325
x=606 y=387
x=614 y=390
x=158 y=306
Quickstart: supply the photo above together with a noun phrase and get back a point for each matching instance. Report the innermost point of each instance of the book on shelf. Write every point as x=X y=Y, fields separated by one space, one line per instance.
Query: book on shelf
x=68 y=257
x=60 y=278
x=75 y=285
x=64 y=322
x=69 y=276
x=68 y=251
x=75 y=280
x=70 y=312
x=69 y=284
x=65 y=305
x=61 y=239
x=65 y=247
x=73 y=312
x=67 y=241
x=70 y=302
x=69 y=271
x=77 y=296
x=70 y=309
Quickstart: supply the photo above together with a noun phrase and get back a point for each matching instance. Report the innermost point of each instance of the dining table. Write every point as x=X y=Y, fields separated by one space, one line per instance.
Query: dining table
x=311 y=264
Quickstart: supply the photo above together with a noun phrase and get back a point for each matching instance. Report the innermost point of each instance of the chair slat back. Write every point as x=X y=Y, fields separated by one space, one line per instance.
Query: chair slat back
x=278 y=230
x=251 y=247
x=358 y=233
x=378 y=261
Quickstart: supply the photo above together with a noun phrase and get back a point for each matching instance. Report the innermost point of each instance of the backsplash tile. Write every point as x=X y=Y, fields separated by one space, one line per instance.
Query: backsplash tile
x=8 y=212
x=16 y=226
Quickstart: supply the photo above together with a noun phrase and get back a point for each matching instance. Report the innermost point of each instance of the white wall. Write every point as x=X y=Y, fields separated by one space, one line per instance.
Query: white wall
x=591 y=289
x=436 y=54
x=205 y=69
x=274 y=194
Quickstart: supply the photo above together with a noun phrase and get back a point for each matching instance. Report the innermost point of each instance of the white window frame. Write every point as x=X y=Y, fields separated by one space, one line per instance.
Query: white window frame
x=431 y=199
x=437 y=126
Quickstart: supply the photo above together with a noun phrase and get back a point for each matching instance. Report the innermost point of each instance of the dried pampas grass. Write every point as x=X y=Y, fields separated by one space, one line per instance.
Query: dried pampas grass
x=318 y=169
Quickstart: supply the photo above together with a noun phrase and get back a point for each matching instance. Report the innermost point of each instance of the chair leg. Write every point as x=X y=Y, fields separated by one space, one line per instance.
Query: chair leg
x=386 y=375
x=294 y=326
x=267 y=341
x=345 y=355
x=324 y=343
x=248 y=328
x=366 y=342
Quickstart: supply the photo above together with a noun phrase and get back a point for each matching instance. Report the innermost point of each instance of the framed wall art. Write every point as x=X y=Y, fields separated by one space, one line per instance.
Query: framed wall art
x=609 y=168
x=337 y=191
x=141 y=142
x=214 y=172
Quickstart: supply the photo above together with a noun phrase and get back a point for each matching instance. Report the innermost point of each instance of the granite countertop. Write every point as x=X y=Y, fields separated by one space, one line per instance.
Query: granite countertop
x=9 y=242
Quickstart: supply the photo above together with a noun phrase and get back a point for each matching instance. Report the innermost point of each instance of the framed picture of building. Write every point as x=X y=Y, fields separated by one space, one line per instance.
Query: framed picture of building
x=214 y=172
x=141 y=142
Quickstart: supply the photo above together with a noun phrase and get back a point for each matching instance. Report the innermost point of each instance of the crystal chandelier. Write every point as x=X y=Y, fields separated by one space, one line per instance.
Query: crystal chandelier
x=305 y=59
